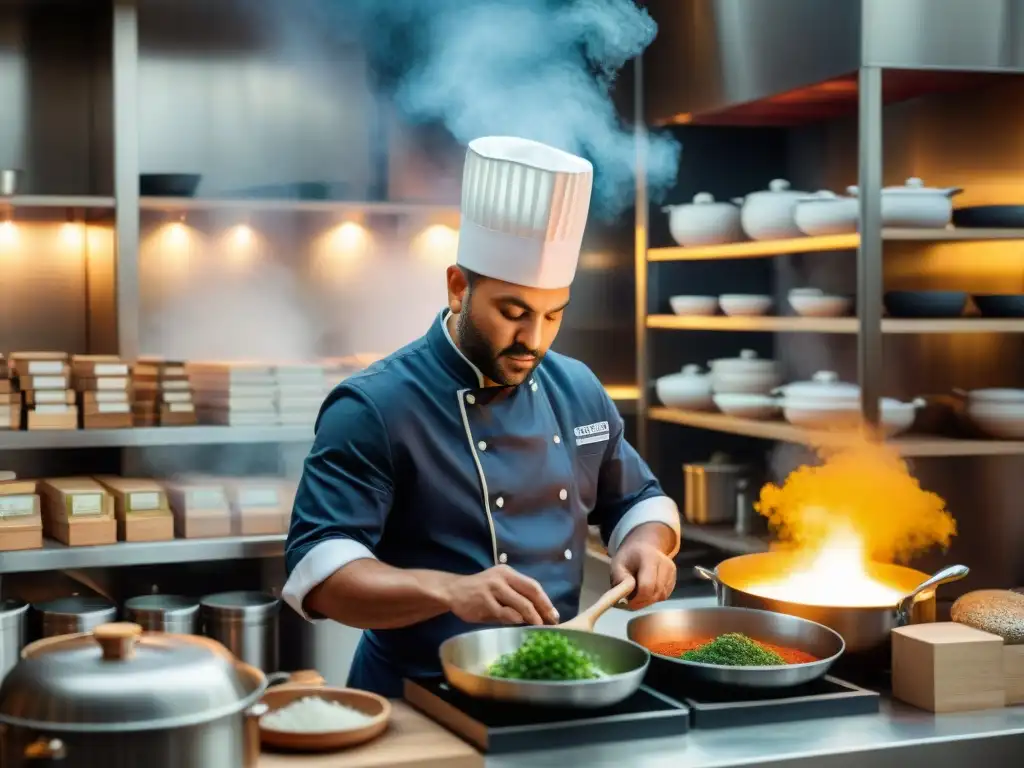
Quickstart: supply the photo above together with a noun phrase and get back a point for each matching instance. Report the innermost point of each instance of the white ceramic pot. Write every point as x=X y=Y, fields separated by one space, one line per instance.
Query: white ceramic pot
x=826 y=213
x=811 y=302
x=747 y=406
x=916 y=206
x=689 y=389
x=768 y=214
x=823 y=390
x=896 y=416
x=752 y=383
x=745 y=304
x=745 y=363
x=701 y=306
x=704 y=221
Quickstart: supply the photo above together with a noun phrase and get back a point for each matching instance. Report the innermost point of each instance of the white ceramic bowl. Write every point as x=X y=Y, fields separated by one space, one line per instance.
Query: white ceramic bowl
x=825 y=213
x=745 y=304
x=1000 y=419
x=824 y=305
x=896 y=417
x=744 y=406
x=747 y=383
x=694 y=306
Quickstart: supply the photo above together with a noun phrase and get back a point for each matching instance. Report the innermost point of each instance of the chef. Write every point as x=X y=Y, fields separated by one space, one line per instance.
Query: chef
x=450 y=485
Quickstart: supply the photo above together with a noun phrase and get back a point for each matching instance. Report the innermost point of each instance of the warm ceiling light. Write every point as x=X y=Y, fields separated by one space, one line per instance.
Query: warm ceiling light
x=242 y=235
x=72 y=235
x=177 y=234
x=8 y=233
x=349 y=236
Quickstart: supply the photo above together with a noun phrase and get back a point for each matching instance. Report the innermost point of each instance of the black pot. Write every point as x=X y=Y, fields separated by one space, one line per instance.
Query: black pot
x=990 y=217
x=1000 y=304
x=925 y=304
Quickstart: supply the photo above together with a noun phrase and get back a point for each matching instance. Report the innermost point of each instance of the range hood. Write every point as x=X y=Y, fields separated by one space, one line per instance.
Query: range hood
x=785 y=61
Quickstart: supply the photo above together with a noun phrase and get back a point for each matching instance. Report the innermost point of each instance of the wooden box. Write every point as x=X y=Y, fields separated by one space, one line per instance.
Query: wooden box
x=947 y=667
x=52 y=417
x=21 y=523
x=78 y=511
x=258 y=506
x=201 y=509
x=1013 y=671
x=141 y=507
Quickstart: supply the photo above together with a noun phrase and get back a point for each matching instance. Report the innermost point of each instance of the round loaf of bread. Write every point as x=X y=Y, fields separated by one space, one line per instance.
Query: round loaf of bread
x=998 y=611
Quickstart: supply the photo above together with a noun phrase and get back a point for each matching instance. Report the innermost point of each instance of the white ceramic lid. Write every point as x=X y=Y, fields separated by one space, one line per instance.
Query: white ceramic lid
x=913 y=186
x=824 y=385
x=748 y=361
x=691 y=371
x=997 y=395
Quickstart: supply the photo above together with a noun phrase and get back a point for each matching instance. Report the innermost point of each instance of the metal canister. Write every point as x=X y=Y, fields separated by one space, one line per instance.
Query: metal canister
x=246 y=623
x=69 y=615
x=164 y=613
x=711 y=491
x=13 y=633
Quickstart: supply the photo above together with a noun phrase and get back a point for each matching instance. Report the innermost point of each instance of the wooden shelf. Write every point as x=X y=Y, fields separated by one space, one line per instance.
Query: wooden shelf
x=910 y=446
x=770 y=324
x=177 y=204
x=890 y=325
x=762 y=248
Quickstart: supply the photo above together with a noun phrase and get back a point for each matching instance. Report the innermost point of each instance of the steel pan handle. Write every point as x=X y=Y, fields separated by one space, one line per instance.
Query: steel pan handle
x=946 y=575
x=709 y=575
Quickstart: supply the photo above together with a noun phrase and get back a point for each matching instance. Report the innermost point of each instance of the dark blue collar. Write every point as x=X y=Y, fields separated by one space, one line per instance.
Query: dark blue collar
x=452 y=360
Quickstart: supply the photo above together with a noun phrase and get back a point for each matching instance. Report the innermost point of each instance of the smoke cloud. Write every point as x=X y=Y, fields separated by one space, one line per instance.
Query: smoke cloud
x=538 y=69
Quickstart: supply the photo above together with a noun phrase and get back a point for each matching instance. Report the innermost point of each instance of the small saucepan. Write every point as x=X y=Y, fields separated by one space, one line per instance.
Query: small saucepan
x=864 y=628
x=465 y=659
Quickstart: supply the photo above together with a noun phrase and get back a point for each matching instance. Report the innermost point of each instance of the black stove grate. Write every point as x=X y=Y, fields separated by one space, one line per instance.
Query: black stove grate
x=496 y=728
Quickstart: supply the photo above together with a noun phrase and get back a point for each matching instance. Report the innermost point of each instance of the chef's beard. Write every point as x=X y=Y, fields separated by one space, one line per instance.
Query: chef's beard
x=481 y=353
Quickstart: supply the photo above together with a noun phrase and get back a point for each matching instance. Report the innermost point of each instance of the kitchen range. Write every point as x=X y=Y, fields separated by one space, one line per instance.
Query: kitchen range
x=809 y=653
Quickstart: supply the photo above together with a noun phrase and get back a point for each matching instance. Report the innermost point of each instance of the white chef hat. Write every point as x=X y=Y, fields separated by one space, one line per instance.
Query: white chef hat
x=524 y=209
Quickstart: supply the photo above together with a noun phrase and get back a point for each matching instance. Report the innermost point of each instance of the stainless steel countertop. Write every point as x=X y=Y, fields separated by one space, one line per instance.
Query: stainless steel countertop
x=902 y=731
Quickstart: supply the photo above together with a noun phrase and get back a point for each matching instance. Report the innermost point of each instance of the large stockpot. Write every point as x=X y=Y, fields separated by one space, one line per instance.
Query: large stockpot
x=13 y=633
x=118 y=698
x=75 y=614
x=864 y=628
x=164 y=613
x=246 y=624
x=714 y=491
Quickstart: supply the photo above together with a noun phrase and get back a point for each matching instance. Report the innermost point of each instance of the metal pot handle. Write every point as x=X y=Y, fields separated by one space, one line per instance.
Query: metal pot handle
x=711 y=576
x=45 y=751
x=946 y=575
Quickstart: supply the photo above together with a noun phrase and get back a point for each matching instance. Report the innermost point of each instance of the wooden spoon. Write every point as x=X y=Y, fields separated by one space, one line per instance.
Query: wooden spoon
x=586 y=620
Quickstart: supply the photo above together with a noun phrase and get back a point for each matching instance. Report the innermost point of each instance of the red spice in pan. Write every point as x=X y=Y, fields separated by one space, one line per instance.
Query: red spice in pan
x=676 y=648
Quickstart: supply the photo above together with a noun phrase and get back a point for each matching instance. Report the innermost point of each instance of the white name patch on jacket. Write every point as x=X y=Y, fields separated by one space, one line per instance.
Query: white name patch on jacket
x=592 y=433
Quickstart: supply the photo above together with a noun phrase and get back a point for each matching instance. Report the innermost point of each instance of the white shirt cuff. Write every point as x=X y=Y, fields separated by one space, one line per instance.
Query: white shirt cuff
x=321 y=562
x=657 y=509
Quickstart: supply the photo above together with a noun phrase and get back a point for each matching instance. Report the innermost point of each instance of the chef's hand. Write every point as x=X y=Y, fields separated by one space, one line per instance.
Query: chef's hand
x=500 y=595
x=642 y=556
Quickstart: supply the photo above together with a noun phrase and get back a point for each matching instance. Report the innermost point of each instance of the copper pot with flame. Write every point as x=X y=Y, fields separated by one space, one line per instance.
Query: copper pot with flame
x=863 y=610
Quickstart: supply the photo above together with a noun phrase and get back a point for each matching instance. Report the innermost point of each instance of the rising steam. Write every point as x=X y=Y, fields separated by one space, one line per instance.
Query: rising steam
x=538 y=69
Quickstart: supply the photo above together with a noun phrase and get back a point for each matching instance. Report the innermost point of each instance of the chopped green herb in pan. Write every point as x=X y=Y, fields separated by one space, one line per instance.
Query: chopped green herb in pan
x=734 y=650
x=548 y=656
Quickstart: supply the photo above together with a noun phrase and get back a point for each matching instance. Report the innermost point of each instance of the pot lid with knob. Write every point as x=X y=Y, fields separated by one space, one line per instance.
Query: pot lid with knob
x=118 y=678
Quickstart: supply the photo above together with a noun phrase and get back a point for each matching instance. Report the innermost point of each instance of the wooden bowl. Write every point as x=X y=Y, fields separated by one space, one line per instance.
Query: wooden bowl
x=369 y=704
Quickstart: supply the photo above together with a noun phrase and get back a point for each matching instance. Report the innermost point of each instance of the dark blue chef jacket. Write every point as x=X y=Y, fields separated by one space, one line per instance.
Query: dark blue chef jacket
x=419 y=465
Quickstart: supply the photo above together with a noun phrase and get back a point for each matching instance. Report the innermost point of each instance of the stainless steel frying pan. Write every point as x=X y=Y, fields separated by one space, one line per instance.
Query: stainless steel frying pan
x=465 y=659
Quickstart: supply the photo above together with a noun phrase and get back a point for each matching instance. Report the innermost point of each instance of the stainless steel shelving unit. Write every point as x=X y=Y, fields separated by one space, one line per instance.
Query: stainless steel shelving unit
x=151 y=436
x=884 y=44
x=860 y=48
x=55 y=556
